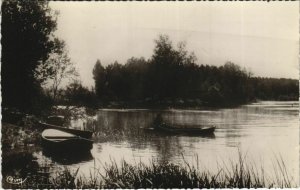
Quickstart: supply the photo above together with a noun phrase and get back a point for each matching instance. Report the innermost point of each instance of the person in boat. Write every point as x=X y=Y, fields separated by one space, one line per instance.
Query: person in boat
x=158 y=120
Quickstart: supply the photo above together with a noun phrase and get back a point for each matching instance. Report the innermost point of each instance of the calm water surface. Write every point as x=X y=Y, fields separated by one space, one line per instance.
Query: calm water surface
x=262 y=131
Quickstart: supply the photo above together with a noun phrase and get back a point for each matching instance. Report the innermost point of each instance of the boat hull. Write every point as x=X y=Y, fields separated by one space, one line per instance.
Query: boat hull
x=190 y=131
x=68 y=145
x=81 y=133
x=59 y=141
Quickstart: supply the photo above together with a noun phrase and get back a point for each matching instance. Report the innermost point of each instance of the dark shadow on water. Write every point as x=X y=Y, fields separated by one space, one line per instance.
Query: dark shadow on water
x=68 y=158
x=208 y=136
x=165 y=134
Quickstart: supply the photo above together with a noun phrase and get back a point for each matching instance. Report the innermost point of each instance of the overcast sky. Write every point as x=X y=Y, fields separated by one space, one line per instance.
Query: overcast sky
x=260 y=36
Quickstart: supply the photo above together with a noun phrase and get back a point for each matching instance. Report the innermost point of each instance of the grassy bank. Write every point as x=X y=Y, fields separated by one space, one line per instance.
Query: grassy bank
x=168 y=175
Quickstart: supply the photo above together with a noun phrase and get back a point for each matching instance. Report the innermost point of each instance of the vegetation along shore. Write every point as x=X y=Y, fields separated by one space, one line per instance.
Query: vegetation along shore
x=38 y=76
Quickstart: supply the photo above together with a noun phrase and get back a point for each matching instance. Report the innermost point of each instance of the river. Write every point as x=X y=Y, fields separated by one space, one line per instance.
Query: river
x=263 y=132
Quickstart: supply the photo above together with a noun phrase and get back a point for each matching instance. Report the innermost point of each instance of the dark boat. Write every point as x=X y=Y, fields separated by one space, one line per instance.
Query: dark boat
x=60 y=141
x=56 y=120
x=84 y=134
x=186 y=130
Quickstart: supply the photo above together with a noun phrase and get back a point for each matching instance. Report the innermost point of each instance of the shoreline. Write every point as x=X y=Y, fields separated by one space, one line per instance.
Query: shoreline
x=119 y=106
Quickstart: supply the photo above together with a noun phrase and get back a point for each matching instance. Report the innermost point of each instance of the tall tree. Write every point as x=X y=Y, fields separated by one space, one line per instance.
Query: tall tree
x=27 y=39
x=99 y=75
x=57 y=69
x=168 y=66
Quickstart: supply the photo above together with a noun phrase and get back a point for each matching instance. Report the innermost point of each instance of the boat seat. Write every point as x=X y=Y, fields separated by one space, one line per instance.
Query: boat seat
x=61 y=137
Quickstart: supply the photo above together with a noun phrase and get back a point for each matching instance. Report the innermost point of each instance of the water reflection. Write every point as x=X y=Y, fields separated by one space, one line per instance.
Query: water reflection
x=68 y=157
x=261 y=128
x=166 y=134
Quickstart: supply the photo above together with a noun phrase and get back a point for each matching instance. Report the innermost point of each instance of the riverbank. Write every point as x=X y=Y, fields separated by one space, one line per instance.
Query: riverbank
x=18 y=144
x=167 y=104
x=193 y=104
x=157 y=175
x=169 y=175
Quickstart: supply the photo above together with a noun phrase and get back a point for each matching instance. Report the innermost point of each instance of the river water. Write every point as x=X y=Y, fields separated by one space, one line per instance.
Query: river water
x=264 y=132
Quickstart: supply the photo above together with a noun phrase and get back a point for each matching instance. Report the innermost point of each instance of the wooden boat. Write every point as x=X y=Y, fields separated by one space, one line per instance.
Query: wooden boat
x=60 y=141
x=84 y=134
x=56 y=120
x=186 y=130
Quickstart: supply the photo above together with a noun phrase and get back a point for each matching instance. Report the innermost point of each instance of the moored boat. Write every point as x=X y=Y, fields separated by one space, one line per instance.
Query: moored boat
x=84 y=134
x=60 y=141
x=186 y=130
x=56 y=120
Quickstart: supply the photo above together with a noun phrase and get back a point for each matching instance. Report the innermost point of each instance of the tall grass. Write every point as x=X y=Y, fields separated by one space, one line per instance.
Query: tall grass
x=240 y=174
x=169 y=175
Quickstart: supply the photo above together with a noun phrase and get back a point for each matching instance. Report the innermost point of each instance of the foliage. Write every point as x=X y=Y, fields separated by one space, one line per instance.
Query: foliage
x=78 y=95
x=172 y=78
x=165 y=175
x=99 y=74
x=240 y=174
x=168 y=70
x=57 y=68
x=27 y=39
x=275 y=89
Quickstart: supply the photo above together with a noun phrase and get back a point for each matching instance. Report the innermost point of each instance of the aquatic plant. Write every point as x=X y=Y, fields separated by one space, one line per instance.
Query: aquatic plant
x=165 y=175
x=169 y=175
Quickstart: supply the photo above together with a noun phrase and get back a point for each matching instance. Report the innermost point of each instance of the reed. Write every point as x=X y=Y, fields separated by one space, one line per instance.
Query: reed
x=168 y=175
x=240 y=174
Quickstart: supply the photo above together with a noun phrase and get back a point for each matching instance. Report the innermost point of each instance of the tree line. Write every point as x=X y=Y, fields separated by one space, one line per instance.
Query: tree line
x=35 y=63
x=171 y=77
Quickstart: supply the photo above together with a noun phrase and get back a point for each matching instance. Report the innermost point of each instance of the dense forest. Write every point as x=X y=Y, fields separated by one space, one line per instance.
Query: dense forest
x=35 y=62
x=172 y=77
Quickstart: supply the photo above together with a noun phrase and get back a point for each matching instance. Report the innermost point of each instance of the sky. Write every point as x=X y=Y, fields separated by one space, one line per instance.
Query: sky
x=262 y=37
